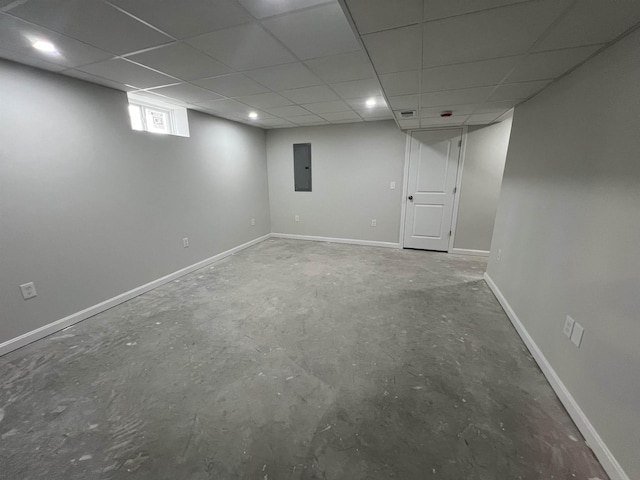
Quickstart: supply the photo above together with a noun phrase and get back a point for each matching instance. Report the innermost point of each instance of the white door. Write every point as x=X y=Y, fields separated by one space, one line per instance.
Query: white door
x=433 y=168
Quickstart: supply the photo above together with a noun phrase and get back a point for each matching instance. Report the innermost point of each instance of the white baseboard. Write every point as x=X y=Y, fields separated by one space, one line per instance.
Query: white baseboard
x=600 y=449
x=368 y=243
x=466 y=251
x=41 y=332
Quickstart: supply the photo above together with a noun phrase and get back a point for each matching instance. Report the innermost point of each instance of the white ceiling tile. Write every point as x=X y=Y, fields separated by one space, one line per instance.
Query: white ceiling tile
x=515 y=91
x=182 y=61
x=407 y=124
x=457 y=110
x=244 y=47
x=337 y=122
x=327 y=107
x=376 y=114
x=467 y=75
x=343 y=67
x=31 y=61
x=290 y=111
x=437 y=9
x=455 y=97
x=493 y=33
x=375 y=15
x=93 y=22
x=306 y=120
x=214 y=113
x=357 y=89
x=268 y=8
x=401 y=83
x=501 y=106
x=17 y=36
x=234 y=85
x=320 y=93
x=99 y=80
x=440 y=122
x=226 y=106
x=592 y=22
x=123 y=71
x=162 y=98
x=404 y=102
x=273 y=122
x=284 y=77
x=482 y=118
x=316 y=32
x=395 y=50
x=187 y=18
x=548 y=65
x=264 y=100
x=187 y=93
x=361 y=103
x=341 y=116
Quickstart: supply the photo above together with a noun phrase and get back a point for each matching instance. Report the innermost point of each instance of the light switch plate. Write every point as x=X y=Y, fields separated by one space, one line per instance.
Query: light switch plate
x=185 y=242
x=568 y=326
x=576 y=335
x=393 y=186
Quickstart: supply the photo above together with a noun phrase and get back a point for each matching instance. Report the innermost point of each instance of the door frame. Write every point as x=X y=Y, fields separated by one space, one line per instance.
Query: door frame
x=456 y=196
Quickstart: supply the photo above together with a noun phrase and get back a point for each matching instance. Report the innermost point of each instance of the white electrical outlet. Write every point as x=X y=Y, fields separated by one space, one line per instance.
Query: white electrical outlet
x=28 y=290
x=374 y=223
x=393 y=186
x=499 y=256
x=185 y=242
x=576 y=335
x=253 y=221
x=297 y=218
x=568 y=326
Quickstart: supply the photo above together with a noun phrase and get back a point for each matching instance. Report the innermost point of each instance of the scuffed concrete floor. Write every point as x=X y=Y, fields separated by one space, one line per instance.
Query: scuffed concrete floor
x=292 y=360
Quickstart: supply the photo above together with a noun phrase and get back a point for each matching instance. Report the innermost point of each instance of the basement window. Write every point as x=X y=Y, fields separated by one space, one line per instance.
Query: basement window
x=157 y=116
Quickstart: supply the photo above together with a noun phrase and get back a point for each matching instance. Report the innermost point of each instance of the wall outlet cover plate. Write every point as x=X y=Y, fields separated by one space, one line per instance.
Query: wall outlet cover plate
x=576 y=335
x=568 y=326
x=28 y=290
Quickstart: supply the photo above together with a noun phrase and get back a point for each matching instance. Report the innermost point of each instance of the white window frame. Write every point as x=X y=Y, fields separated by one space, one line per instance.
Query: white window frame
x=177 y=120
x=145 y=108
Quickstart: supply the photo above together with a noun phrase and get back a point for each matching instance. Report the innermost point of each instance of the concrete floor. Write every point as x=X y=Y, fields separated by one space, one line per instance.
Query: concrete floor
x=292 y=360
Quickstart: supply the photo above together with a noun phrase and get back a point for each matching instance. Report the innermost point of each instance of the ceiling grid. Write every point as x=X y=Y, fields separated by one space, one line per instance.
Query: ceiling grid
x=315 y=62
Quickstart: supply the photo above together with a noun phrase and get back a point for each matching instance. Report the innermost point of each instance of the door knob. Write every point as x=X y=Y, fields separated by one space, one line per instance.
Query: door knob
x=410 y=197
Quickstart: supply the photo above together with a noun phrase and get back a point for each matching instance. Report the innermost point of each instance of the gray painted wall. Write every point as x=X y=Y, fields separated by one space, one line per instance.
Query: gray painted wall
x=568 y=225
x=486 y=153
x=353 y=166
x=90 y=209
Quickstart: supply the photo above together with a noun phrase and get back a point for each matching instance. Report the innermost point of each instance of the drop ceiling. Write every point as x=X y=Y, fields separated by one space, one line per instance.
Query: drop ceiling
x=314 y=62
x=479 y=58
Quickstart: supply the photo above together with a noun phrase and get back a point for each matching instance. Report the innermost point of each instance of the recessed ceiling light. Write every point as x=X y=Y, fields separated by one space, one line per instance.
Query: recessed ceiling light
x=44 y=46
x=371 y=102
x=253 y=115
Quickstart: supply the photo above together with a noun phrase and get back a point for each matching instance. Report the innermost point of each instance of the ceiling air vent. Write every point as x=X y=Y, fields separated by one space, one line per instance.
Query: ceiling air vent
x=408 y=114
